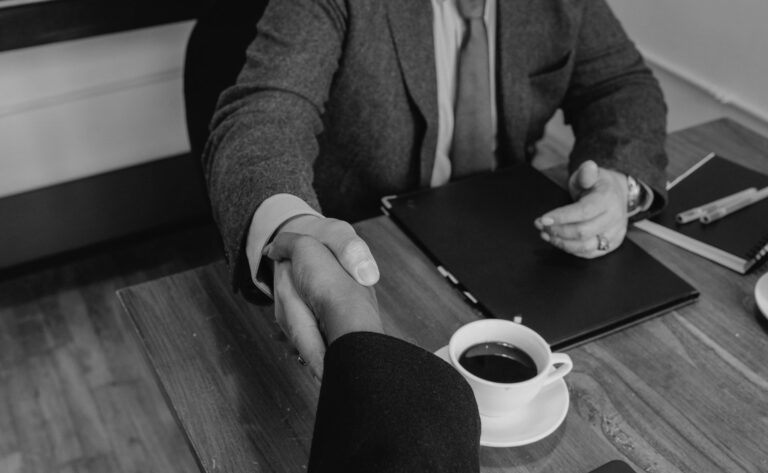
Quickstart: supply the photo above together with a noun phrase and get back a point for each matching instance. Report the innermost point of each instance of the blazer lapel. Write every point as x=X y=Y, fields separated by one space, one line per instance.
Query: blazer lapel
x=512 y=38
x=410 y=22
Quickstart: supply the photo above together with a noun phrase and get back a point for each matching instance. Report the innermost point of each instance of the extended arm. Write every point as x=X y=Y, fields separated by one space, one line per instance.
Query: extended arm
x=615 y=105
x=387 y=406
x=264 y=134
x=259 y=158
x=618 y=115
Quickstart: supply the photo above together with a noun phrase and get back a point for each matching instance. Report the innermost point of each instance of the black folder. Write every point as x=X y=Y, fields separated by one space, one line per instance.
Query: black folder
x=480 y=234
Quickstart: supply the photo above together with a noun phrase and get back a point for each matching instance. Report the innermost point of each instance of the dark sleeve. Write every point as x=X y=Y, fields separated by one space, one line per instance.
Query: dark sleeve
x=389 y=406
x=263 y=137
x=615 y=105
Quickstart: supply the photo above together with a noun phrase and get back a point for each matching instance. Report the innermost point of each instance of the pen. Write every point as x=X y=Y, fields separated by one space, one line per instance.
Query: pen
x=735 y=206
x=702 y=162
x=698 y=212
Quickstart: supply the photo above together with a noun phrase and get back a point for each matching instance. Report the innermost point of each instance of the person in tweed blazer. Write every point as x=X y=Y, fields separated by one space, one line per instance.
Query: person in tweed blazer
x=337 y=105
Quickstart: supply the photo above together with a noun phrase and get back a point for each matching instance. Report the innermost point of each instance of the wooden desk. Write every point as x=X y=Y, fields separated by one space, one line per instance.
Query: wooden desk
x=685 y=392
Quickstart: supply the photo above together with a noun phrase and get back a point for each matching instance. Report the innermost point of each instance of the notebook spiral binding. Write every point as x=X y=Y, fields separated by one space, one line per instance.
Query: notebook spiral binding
x=758 y=252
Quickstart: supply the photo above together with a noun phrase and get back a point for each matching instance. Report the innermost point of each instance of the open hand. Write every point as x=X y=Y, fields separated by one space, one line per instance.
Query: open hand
x=596 y=222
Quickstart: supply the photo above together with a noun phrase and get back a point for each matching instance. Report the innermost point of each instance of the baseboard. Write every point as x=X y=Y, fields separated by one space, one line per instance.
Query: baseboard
x=32 y=23
x=87 y=211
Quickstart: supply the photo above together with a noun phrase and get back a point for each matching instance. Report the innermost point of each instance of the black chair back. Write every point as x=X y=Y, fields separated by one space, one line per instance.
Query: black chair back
x=214 y=57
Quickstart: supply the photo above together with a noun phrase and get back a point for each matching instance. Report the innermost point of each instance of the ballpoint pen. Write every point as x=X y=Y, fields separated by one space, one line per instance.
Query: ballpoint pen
x=735 y=206
x=698 y=212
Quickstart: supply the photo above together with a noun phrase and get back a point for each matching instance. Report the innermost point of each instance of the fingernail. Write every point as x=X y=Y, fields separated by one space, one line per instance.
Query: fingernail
x=547 y=221
x=266 y=250
x=545 y=236
x=367 y=272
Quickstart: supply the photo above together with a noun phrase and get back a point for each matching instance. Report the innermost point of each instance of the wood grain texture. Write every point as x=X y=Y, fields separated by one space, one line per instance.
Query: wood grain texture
x=75 y=395
x=685 y=392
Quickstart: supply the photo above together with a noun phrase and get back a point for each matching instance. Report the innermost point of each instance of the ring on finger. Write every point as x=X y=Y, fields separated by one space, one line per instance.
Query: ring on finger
x=602 y=242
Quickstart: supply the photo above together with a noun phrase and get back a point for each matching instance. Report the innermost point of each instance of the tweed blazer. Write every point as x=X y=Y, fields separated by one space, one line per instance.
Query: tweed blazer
x=337 y=104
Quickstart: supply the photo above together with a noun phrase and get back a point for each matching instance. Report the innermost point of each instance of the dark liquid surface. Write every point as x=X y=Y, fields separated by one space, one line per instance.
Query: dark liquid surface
x=498 y=362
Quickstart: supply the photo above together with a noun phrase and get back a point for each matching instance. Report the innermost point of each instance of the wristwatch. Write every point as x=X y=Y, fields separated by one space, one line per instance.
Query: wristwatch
x=633 y=194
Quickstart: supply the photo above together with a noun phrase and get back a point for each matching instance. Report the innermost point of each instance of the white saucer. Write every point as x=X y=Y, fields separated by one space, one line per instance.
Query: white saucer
x=761 y=294
x=531 y=423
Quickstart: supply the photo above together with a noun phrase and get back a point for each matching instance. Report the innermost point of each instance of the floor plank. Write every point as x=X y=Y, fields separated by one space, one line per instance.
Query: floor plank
x=31 y=429
x=8 y=443
x=129 y=449
x=76 y=391
x=11 y=463
x=55 y=411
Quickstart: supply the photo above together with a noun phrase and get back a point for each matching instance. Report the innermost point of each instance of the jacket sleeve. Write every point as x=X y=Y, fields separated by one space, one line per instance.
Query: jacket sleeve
x=263 y=137
x=615 y=105
x=389 y=406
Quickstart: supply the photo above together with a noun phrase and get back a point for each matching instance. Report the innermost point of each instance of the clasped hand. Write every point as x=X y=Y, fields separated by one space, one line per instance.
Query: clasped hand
x=322 y=277
x=599 y=211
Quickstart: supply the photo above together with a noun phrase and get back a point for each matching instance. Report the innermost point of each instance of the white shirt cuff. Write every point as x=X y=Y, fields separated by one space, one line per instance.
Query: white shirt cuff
x=272 y=213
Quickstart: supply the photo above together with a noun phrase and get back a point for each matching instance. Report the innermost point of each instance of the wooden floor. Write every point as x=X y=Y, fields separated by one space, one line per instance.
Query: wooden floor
x=76 y=394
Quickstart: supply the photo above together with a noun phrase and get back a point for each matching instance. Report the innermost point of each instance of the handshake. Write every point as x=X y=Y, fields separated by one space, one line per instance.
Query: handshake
x=316 y=299
x=323 y=271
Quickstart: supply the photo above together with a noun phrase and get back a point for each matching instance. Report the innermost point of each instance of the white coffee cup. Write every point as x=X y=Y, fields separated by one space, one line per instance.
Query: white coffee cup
x=499 y=399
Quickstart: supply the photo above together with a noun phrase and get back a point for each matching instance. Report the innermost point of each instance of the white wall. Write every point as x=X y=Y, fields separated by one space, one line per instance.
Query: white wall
x=719 y=47
x=710 y=56
x=78 y=108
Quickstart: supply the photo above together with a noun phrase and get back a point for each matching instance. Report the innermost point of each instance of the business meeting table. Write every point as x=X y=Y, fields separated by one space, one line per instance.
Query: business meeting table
x=686 y=391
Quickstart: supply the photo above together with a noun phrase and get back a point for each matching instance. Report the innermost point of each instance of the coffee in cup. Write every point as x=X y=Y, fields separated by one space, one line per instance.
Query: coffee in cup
x=505 y=363
x=499 y=362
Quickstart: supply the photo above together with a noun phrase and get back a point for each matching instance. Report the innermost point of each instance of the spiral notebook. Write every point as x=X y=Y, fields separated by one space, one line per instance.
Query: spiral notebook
x=738 y=241
x=479 y=232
